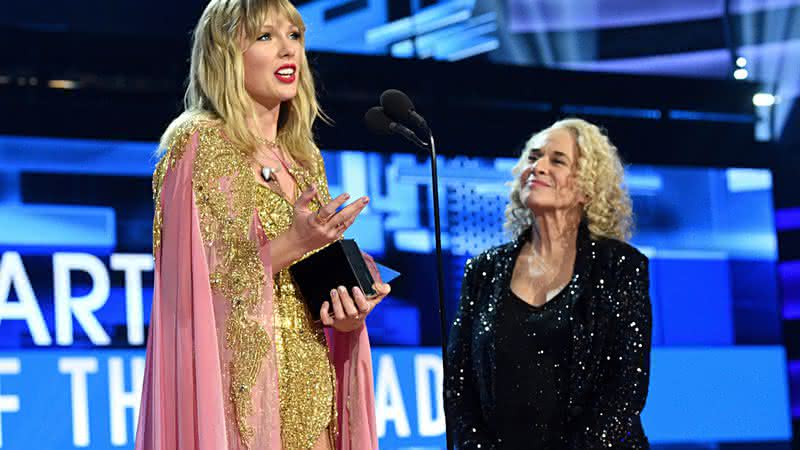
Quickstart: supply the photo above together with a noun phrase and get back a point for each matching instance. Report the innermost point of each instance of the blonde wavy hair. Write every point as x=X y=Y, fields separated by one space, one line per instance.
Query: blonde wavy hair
x=216 y=91
x=600 y=177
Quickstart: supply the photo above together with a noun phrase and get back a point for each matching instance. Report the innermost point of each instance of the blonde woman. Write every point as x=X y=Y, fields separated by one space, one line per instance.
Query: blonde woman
x=234 y=359
x=550 y=348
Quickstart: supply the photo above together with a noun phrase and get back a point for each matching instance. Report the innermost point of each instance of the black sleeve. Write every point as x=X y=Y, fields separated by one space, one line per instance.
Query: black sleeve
x=461 y=393
x=615 y=421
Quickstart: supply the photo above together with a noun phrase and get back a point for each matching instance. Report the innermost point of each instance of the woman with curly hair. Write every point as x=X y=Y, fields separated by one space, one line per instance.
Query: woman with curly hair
x=235 y=359
x=550 y=348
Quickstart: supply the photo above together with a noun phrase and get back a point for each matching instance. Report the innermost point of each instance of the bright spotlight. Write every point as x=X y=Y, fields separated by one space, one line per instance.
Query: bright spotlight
x=741 y=61
x=740 y=74
x=763 y=99
x=62 y=84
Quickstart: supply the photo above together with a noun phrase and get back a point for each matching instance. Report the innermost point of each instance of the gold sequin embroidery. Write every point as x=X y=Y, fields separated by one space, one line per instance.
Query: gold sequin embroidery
x=225 y=194
x=174 y=153
x=306 y=377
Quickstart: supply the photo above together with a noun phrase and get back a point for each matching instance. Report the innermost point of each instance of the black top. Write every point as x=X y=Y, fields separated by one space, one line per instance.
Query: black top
x=533 y=345
x=609 y=363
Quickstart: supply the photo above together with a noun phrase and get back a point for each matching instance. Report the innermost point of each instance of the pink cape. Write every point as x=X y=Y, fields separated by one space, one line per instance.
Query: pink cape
x=186 y=402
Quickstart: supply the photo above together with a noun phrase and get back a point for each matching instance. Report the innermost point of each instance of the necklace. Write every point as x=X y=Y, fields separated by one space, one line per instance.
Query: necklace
x=268 y=143
x=283 y=162
x=268 y=172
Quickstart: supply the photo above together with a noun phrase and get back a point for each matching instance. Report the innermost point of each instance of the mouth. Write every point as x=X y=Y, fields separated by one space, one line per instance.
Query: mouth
x=286 y=73
x=532 y=182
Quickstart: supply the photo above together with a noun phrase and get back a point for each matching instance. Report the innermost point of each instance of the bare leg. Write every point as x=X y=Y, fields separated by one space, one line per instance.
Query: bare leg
x=324 y=441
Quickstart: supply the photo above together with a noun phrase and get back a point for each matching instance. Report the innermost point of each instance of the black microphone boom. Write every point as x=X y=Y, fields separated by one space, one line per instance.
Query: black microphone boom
x=399 y=107
x=379 y=123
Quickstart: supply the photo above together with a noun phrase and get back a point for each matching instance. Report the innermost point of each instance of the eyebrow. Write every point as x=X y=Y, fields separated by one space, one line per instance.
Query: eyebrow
x=556 y=152
x=272 y=26
x=562 y=154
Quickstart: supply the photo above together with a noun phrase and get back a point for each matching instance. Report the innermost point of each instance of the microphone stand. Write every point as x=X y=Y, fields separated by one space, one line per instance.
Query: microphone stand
x=440 y=277
x=431 y=147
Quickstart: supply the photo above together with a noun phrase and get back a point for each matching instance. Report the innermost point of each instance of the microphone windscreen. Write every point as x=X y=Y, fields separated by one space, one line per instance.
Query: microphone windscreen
x=397 y=105
x=377 y=121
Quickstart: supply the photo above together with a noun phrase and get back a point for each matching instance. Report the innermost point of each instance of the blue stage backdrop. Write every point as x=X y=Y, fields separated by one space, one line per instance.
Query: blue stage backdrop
x=76 y=286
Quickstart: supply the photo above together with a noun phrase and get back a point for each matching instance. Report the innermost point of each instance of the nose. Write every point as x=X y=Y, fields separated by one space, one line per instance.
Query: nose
x=539 y=166
x=286 y=50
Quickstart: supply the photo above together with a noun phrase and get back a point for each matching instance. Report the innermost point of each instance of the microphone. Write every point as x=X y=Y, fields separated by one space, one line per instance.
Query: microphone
x=399 y=107
x=379 y=123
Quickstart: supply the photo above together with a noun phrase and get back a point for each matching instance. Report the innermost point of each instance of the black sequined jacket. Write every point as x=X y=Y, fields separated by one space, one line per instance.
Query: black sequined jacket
x=610 y=356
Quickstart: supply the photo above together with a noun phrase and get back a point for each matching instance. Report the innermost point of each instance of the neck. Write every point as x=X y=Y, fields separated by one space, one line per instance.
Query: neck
x=266 y=121
x=555 y=232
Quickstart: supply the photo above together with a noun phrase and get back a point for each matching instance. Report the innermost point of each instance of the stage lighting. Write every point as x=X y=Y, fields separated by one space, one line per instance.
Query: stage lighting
x=741 y=61
x=740 y=74
x=62 y=84
x=763 y=99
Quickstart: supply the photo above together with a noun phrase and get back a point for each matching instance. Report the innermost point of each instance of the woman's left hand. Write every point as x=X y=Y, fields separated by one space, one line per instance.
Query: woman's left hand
x=350 y=311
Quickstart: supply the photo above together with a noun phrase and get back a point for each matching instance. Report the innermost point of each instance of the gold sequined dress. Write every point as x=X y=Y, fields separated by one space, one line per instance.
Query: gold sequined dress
x=237 y=342
x=307 y=379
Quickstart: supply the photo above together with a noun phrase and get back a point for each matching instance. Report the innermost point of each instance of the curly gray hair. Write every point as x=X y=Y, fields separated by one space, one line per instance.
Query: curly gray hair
x=600 y=174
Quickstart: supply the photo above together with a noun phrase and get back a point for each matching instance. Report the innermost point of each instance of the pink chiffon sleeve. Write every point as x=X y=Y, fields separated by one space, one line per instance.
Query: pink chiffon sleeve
x=356 y=399
x=210 y=379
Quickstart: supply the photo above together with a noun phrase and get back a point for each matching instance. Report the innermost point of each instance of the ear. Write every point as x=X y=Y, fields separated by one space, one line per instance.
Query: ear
x=583 y=199
x=243 y=41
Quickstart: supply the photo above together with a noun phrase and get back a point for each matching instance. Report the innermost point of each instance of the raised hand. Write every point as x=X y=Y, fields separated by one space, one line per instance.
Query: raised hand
x=314 y=230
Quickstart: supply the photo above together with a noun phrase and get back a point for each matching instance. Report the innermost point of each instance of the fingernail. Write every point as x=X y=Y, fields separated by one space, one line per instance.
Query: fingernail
x=342 y=289
x=347 y=196
x=334 y=293
x=365 y=200
x=357 y=290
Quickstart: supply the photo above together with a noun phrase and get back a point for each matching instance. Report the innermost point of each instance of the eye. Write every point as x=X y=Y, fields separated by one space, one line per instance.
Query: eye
x=295 y=35
x=560 y=162
x=264 y=37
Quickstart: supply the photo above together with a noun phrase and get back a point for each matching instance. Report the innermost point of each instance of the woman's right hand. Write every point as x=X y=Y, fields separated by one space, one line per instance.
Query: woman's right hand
x=312 y=230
